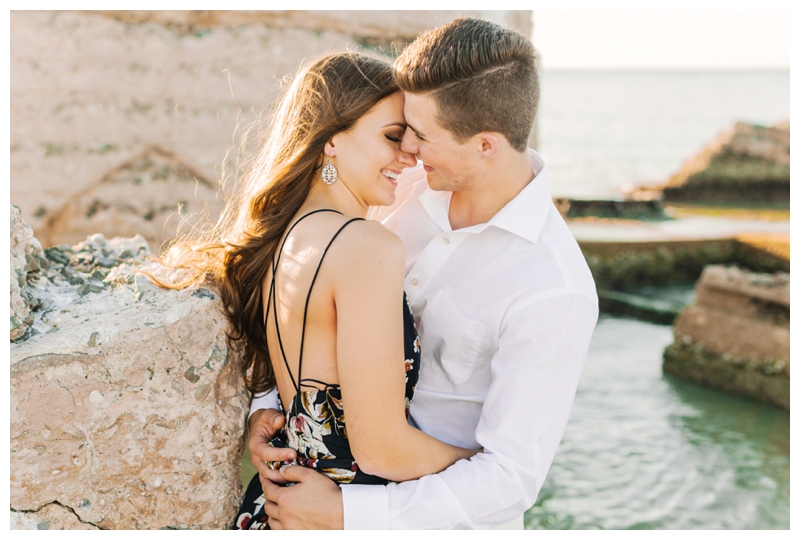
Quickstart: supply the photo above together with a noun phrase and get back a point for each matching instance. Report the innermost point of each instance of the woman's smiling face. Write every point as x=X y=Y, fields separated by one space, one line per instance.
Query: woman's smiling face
x=368 y=156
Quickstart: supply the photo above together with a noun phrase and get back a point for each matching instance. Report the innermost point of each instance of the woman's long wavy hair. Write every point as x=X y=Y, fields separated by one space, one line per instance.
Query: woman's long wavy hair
x=326 y=97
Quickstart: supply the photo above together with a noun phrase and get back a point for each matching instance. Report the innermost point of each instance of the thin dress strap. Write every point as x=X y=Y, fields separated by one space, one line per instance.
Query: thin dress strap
x=271 y=298
x=272 y=292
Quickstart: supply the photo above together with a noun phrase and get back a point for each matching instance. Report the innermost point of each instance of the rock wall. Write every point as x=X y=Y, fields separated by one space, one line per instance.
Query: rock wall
x=623 y=265
x=648 y=210
x=735 y=336
x=122 y=121
x=27 y=259
x=127 y=407
x=745 y=164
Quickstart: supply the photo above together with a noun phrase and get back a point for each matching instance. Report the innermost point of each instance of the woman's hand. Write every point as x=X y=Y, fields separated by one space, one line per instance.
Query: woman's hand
x=264 y=425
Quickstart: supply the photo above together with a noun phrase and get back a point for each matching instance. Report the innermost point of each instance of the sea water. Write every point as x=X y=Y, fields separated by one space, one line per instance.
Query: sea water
x=643 y=450
x=600 y=132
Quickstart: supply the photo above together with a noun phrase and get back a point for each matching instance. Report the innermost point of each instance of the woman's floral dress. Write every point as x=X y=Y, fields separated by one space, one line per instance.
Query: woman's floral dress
x=315 y=423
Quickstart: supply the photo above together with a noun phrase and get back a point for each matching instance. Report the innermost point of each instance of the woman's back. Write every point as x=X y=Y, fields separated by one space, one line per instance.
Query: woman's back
x=298 y=263
x=312 y=271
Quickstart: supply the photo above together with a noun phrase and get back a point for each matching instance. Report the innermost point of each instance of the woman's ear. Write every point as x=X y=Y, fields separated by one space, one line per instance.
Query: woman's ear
x=330 y=148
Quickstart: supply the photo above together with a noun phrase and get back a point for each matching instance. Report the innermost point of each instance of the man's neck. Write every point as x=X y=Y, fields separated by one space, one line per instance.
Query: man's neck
x=481 y=201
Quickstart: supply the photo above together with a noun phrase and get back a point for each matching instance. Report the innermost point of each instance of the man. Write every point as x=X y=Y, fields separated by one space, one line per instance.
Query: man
x=504 y=301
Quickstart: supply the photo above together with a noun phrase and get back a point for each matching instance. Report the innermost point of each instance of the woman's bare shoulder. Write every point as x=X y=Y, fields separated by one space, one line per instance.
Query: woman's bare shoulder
x=369 y=246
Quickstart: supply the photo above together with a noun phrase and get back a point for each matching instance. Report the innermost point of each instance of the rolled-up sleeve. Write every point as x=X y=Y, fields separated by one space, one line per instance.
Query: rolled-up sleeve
x=263 y=400
x=535 y=371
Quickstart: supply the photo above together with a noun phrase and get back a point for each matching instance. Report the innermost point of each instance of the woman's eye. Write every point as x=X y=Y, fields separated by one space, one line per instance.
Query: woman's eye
x=394 y=139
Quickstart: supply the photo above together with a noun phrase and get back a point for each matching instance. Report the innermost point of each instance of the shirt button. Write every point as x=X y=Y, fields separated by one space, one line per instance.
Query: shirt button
x=445 y=240
x=415 y=282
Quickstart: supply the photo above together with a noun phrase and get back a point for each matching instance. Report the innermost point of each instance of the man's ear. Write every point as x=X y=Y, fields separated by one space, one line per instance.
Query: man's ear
x=489 y=145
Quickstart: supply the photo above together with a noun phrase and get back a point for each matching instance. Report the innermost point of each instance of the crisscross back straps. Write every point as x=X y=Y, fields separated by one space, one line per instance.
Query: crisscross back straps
x=272 y=298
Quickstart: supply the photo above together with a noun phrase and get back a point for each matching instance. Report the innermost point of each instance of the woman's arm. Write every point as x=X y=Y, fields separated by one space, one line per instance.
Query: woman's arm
x=368 y=292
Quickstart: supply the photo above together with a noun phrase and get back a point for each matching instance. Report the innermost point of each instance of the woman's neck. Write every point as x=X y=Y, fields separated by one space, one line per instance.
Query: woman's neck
x=336 y=197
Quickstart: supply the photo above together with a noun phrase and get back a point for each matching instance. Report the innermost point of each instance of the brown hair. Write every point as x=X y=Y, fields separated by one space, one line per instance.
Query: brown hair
x=326 y=97
x=483 y=77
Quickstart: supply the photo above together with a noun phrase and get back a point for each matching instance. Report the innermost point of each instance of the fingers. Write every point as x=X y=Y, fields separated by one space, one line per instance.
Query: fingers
x=272 y=475
x=267 y=422
x=276 y=419
x=295 y=473
x=261 y=466
x=265 y=452
x=258 y=417
x=271 y=491
x=271 y=509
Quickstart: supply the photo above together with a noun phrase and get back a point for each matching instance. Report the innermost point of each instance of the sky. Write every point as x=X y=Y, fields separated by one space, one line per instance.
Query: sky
x=625 y=39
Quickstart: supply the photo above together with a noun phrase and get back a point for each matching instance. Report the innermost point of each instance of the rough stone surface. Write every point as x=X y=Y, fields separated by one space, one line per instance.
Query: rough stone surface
x=651 y=210
x=93 y=91
x=745 y=164
x=740 y=314
x=27 y=259
x=51 y=517
x=738 y=330
x=127 y=407
x=695 y=364
x=623 y=265
x=151 y=194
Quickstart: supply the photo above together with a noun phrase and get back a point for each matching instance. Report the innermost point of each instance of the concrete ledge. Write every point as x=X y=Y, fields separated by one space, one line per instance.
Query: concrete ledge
x=748 y=380
x=620 y=265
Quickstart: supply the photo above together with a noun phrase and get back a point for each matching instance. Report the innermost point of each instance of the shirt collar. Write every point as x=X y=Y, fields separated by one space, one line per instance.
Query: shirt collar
x=524 y=215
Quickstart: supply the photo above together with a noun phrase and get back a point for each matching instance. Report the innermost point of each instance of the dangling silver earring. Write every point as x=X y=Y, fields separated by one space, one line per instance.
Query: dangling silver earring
x=329 y=173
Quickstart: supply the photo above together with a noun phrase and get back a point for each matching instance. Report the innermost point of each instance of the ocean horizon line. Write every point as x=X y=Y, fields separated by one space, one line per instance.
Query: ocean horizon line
x=687 y=70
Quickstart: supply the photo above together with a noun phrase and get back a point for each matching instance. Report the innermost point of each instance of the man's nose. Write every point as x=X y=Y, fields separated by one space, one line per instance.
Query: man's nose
x=409 y=143
x=406 y=159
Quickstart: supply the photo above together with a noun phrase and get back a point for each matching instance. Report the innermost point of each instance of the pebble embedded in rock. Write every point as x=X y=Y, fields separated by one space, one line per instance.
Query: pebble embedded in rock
x=203 y=293
x=191 y=376
x=202 y=393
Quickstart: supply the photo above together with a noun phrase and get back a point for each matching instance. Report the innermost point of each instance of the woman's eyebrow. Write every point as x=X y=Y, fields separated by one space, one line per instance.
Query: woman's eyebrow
x=398 y=124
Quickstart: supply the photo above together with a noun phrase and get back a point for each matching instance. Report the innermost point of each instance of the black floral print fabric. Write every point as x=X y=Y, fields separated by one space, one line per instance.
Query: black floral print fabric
x=315 y=428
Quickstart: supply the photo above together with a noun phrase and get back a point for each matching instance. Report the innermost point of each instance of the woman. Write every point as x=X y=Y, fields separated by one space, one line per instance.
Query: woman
x=314 y=291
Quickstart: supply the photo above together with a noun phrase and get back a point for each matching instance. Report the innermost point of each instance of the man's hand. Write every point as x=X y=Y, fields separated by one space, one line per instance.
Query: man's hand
x=264 y=425
x=313 y=502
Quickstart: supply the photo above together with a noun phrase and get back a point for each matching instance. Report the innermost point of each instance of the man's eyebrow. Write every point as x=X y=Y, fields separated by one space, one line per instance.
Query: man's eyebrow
x=416 y=131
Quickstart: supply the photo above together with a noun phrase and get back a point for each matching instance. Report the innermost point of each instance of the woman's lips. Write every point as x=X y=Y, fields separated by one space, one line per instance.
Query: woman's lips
x=427 y=168
x=390 y=175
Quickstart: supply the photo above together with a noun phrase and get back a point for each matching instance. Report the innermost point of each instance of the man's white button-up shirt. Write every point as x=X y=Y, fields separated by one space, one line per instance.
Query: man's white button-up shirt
x=505 y=311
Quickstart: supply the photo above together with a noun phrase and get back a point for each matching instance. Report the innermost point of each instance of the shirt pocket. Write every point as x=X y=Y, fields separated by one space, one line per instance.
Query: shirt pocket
x=450 y=340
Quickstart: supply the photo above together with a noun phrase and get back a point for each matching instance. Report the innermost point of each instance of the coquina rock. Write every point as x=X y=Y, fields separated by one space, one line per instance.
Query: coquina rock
x=127 y=406
x=27 y=259
x=746 y=163
x=93 y=92
x=735 y=336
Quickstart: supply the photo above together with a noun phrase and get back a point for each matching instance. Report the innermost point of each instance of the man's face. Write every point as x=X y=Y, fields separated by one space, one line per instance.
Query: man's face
x=449 y=166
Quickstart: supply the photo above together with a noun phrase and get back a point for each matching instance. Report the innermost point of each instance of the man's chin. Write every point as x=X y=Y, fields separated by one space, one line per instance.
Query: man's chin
x=434 y=182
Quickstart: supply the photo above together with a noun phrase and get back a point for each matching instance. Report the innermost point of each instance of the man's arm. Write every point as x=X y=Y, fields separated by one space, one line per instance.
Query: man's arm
x=535 y=373
x=264 y=400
